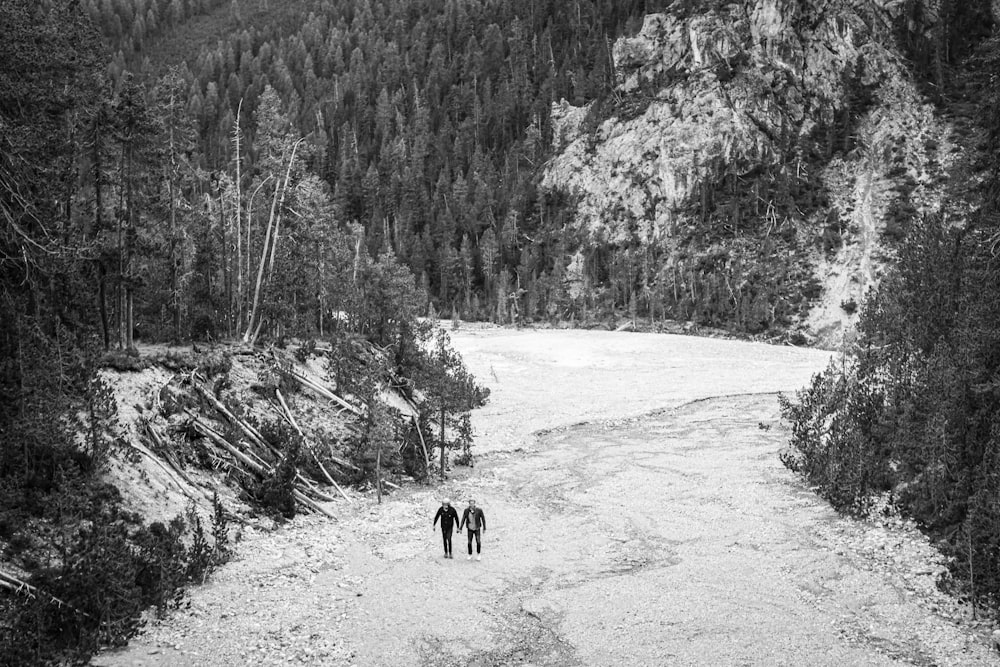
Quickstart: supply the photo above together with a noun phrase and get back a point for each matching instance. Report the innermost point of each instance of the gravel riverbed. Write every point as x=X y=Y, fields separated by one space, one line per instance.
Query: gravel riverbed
x=637 y=514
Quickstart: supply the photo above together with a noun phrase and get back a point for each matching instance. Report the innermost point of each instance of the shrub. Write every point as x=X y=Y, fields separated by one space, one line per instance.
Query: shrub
x=894 y=231
x=305 y=350
x=832 y=443
x=122 y=360
x=832 y=239
x=109 y=571
x=275 y=492
x=214 y=363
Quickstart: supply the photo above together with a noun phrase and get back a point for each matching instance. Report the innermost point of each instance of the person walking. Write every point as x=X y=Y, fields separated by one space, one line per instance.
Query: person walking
x=475 y=520
x=449 y=517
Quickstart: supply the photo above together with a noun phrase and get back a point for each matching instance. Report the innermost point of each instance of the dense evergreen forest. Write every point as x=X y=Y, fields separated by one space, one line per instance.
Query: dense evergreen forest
x=316 y=130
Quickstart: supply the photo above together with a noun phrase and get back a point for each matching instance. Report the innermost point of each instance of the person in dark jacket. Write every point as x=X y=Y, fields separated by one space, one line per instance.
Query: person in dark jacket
x=475 y=520
x=449 y=517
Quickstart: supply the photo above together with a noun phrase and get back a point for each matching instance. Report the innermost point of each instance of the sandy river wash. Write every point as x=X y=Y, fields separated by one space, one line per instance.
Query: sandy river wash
x=637 y=515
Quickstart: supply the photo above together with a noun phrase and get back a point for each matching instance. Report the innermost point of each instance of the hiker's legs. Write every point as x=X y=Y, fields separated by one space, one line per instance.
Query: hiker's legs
x=478 y=545
x=446 y=535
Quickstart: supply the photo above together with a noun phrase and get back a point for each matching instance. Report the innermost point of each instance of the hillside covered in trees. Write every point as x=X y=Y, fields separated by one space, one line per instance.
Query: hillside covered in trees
x=908 y=421
x=748 y=166
x=314 y=131
x=256 y=170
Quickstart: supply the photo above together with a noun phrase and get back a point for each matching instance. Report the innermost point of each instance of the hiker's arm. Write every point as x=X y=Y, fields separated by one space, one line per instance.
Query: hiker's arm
x=482 y=519
x=436 y=518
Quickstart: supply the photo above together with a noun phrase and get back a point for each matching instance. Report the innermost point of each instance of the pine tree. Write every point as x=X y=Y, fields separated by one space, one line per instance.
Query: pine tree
x=178 y=134
x=134 y=132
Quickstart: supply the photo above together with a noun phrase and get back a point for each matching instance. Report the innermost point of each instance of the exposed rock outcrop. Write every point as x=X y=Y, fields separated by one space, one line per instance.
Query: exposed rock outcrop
x=756 y=151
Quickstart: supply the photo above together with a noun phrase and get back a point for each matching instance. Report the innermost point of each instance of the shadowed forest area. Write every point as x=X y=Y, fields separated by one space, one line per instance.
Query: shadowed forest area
x=908 y=420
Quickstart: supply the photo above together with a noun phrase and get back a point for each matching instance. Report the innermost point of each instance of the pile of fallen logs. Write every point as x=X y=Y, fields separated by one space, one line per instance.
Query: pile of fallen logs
x=246 y=451
x=325 y=392
x=240 y=447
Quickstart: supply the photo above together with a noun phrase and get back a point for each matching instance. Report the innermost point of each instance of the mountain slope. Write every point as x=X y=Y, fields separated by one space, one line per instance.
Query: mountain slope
x=761 y=157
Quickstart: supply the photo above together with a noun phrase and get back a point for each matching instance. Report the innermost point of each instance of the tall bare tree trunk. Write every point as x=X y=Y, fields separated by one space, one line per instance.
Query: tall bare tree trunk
x=120 y=283
x=102 y=271
x=442 y=442
x=102 y=302
x=129 y=317
x=378 y=471
x=320 y=274
x=227 y=272
x=237 y=135
x=273 y=224
x=249 y=227
x=175 y=304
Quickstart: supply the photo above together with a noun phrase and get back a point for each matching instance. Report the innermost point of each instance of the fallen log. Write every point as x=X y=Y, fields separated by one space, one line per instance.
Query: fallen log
x=249 y=431
x=304 y=484
x=311 y=504
x=323 y=391
x=173 y=473
x=341 y=462
x=261 y=465
x=15 y=585
x=215 y=437
x=295 y=425
x=165 y=454
x=261 y=469
x=423 y=446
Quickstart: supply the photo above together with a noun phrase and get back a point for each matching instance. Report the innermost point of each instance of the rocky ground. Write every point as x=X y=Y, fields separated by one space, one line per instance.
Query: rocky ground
x=613 y=538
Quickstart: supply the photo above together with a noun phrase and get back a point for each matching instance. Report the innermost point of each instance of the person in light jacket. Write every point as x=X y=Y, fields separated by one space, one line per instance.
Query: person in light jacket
x=474 y=519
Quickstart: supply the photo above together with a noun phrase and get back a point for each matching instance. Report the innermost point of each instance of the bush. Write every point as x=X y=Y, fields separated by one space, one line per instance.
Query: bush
x=203 y=327
x=894 y=231
x=305 y=350
x=275 y=493
x=122 y=360
x=109 y=571
x=832 y=239
x=832 y=444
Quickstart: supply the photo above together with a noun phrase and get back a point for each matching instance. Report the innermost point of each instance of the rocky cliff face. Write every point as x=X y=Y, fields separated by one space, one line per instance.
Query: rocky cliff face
x=759 y=156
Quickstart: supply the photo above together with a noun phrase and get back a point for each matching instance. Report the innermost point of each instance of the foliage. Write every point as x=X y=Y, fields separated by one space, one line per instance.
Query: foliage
x=451 y=393
x=221 y=549
x=916 y=412
x=107 y=569
x=104 y=436
x=275 y=493
x=305 y=350
x=834 y=444
x=415 y=138
x=378 y=440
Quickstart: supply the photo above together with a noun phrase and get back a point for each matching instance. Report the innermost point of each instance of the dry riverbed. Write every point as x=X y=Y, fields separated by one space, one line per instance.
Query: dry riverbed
x=637 y=514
